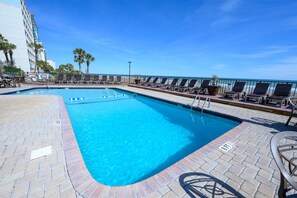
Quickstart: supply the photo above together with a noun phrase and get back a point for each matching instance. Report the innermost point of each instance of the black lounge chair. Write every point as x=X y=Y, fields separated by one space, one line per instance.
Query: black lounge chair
x=202 y=88
x=87 y=79
x=95 y=79
x=293 y=103
x=258 y=93
x=118 y=80
x=236 y=90
x=280 y=94
x=60 y=78
x=283 y=148
x=160 y=84
x=110 y=80
x=146 y=82
x=68 y=78
x=173 y=83
x=103 y=80
x=77 y=78
x=154 y=82
x=181 y=85
x=189 y=87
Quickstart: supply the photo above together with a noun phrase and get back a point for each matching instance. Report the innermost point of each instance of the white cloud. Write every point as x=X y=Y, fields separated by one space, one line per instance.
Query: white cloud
x=230 y=5
x=271 y=50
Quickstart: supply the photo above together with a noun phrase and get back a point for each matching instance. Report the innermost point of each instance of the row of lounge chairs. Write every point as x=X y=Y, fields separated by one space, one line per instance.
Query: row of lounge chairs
x=78 y=79
x=259 y=94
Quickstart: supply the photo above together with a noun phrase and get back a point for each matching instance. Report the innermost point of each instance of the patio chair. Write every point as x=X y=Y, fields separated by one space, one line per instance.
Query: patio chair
x=236 y=90
x=293 y=103
x=2 y=82
x=202 y=88
x=146 y=82
x=118 y=80
x=154 y=82
x=103 y=80
x=173 y=83
x=160 y=84
x=280 y=94
x=181 y=84
x=110 y=80
x=95 y=79
x=285 y=159
x=87 y=79
x=259 y=92
x=189 y=87
x=77 y=78
x=68 y=78
x=60 y=78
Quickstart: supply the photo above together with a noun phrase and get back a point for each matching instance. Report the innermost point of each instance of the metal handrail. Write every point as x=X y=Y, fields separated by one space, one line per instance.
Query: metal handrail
x=199 y=99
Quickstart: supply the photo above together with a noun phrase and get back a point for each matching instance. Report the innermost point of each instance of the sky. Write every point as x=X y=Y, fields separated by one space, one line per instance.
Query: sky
x=254 y=39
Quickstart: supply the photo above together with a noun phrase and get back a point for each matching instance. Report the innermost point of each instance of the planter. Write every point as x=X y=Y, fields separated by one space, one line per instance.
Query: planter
x=137 y=81
x=213 y=89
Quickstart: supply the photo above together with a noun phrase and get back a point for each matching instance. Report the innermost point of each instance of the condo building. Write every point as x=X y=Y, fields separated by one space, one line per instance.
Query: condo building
x=18 y=26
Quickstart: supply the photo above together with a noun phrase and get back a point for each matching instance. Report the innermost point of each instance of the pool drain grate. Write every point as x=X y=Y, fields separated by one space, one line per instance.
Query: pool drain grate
x=226 y=146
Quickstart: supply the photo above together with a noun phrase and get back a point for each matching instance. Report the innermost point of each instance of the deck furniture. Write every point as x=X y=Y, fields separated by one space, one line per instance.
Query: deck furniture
x=87 y=79
x=103 y=80
x=189 y=87
x=60 y=78
x=110 y=80
x=173 y=83
x=259 y=92
x=77 y=78
x=95 y=79
x=181 y=84
x=293 y=104
x=154 y=82
x=280 y=94
x=118 y=80
x=146 y=82
x=68 y=78
x=235 y=91
x=202 y=88
x=160 y=84
x=283 y=148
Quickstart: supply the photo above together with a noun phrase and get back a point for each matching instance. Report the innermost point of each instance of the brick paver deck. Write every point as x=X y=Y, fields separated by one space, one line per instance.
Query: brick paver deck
x=32 y=122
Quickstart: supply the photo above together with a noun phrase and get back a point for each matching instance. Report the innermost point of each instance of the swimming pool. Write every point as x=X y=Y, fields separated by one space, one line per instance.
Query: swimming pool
x=125 y=138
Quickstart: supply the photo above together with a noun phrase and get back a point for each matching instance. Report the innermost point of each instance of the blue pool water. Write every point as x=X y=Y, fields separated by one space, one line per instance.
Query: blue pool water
x=125 y=138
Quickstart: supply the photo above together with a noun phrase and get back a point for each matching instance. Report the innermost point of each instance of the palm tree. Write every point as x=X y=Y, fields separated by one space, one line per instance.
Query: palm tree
x=37 y=47
x=10 y=48
x=4 y=47
x=89 y=59
x=79 y=56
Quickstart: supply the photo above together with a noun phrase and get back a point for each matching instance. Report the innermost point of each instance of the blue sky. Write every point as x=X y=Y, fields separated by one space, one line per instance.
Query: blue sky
x=229 y=38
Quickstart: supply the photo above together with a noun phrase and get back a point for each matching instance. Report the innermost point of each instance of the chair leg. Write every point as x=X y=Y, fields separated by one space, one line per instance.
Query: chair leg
x=282 y=187
x=288 y=121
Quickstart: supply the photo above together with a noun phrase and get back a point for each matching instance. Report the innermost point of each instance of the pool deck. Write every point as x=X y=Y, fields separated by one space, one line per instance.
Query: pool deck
x=29 y=123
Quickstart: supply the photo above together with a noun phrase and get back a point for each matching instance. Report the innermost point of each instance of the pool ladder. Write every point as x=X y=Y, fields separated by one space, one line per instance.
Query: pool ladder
x=207 y=100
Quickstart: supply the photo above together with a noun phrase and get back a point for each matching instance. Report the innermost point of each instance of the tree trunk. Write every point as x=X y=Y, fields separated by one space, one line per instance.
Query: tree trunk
x=87 y=68
x=11 y=57
x=36 y=59
x=6 y=56
x=79 y=65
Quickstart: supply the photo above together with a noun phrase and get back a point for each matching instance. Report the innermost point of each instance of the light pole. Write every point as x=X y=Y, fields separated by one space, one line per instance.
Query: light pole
x=129 y=70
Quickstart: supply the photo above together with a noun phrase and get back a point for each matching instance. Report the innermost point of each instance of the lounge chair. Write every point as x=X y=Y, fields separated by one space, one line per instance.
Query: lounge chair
x=259 y=93
x=154 y=82
x=293 y=103
x=160 y=84
x=236 y=90
x=95 y=79
x=283 y=149
x=280 y=94
x=110 y=80
x=202 y=88
x=77 y=78
x=181 y=84
x=189 y=87
x=60 y=78
x=103 y=80
x=87 y=79
x=2 y=82
x=68 y=78
x=173 y=83
x=118 y=80
x=146 y=82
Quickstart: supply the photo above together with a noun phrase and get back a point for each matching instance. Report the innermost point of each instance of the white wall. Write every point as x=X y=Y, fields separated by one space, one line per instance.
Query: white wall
x=12 y=28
